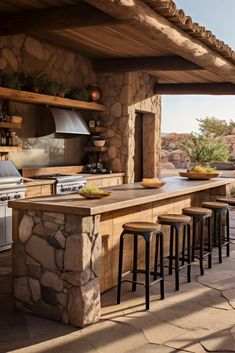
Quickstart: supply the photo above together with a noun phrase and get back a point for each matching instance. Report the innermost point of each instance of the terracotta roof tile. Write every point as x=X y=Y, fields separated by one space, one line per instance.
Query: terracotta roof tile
x=168 y=9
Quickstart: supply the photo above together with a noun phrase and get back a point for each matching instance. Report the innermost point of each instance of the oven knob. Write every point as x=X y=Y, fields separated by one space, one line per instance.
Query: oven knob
x=15 y=196
x=2 y=198
x=74 y=188
x=8 y=197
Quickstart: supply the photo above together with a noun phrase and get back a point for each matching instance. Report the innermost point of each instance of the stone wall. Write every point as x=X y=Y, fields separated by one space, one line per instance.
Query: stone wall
x=56 y=264
x=125 y=94
x=23 y=53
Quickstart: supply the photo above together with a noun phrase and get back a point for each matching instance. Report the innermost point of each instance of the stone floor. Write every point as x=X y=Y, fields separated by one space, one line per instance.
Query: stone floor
x=200 y=318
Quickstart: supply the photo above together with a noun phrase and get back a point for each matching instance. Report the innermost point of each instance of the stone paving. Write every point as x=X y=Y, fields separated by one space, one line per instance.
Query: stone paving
x=199 y=318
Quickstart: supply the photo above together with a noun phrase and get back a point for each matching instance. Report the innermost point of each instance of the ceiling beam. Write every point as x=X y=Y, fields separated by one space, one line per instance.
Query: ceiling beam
x=160 y=63
x=141 y=17
x=218 y=88
x=74 y=16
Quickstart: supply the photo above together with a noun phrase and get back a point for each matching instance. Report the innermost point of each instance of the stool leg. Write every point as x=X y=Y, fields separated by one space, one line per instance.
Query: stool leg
x=120 y=263
x=227 y=233
x=162 y=266
x=209 y=243
x=176 y=258
x=189 y=253
x=171 y=250
x=215 y=236
x=156 y=255
x=183 y=244
x=135 y=262
x=147 y=272
x=194 y=238
x=201 y=245
x=220 y=236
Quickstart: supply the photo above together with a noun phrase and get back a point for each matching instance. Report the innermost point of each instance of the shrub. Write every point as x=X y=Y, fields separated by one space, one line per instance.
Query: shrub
x=205 y=149
x=217 y=127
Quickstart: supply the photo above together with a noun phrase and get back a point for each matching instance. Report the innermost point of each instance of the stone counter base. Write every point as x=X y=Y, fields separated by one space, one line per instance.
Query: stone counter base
x=56 y=266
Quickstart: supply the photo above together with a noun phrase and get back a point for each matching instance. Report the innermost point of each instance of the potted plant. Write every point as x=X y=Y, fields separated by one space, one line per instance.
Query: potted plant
x=79 y=94
x=32 y=81
x=52 y=88
x=10 y=80
x=63 y=88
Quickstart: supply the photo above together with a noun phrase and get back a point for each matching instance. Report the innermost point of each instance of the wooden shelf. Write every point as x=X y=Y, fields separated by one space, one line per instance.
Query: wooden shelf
x=7 y=149
x=97 y=129
x=10 y=125
x=95 y=149
x=44 y=99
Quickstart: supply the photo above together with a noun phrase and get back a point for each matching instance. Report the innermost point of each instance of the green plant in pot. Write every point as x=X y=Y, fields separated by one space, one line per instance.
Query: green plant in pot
x=79 y=94
x=10 y=80
x=52 y=88
x=32 y=81
x=63 y=88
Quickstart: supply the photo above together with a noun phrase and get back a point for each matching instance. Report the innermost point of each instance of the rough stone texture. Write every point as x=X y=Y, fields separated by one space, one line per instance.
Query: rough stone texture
x=35 y=288
x=41 y=251
x=25 y=228
x=82 y=304
x=125 y=94
x=21 y=290
x=50 y=279
x=77 y=253
x=57 y=270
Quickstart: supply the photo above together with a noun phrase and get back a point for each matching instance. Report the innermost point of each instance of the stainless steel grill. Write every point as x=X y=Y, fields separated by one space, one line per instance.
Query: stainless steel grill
x=11 y=187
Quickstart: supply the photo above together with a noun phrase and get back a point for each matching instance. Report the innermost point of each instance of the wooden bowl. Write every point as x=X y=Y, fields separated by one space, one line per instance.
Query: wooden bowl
x=199 y=176
x=152 y=185
x=95 y=196
x=16 y=119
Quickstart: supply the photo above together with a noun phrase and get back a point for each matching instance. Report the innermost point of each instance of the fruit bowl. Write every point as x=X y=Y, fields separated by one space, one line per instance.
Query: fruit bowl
x=95 y=196
x=199 y=176
x=93 y=192
x=99 y=143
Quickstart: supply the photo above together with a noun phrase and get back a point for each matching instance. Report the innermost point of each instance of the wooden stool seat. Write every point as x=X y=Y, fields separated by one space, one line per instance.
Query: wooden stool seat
x=228 y=200
x=169 y=219
x=197 y=211
x=215 y=205
x=140 y=227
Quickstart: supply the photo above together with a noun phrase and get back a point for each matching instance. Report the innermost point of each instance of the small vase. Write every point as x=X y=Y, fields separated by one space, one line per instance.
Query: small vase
x=94 y=92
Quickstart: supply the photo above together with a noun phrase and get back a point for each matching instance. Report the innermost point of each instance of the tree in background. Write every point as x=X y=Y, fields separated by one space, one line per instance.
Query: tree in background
x=205 y=149
x=217 y=127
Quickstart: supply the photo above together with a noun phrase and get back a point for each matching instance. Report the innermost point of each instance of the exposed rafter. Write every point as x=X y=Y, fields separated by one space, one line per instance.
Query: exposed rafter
x=195 y=88
x=161 y=63
x=81 y=15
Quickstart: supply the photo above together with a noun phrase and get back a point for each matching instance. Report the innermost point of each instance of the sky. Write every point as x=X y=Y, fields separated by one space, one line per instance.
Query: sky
x=180 y=113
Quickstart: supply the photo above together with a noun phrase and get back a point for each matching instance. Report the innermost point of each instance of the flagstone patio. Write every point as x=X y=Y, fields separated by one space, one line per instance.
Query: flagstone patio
x=200 y=318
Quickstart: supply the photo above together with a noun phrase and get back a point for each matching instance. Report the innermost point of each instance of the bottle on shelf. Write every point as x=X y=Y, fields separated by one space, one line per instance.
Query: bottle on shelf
x=3 y=140
x=8 y=138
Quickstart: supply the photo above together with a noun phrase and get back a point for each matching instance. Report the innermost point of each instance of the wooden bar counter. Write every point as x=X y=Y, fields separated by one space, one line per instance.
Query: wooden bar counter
x=65 y=249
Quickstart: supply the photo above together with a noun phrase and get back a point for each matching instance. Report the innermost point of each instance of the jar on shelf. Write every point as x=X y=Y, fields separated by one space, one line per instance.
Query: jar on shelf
x=91 y=123
x=94 y=93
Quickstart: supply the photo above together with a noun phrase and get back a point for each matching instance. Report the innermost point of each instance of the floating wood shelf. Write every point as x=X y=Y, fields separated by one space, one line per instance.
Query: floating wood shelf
x=97 y=129
x=10 y=125
x=95 y=149
x=44 y=99
x=7 y=149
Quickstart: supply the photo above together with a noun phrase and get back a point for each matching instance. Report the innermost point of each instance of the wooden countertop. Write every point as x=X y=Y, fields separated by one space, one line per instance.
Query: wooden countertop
x=37 y=182
x=122 y=196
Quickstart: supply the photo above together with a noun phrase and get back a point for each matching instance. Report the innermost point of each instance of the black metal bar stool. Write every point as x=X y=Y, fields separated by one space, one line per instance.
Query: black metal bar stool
x=219 y=209
x=199 y=216
x=145 y=230
x=175 y=222
x=231 y=202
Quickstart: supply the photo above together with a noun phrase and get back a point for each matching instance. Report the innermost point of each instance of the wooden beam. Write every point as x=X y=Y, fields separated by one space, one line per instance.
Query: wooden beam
x=140 y=16
x=81 y=15
x=195 y=88
x=161 y=63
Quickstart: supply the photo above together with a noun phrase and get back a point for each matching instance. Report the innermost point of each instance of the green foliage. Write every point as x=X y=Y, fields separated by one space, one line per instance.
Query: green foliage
x=79 y=94
x=218 y=127
x=205 y=149
x=32 y=80
x=10 y=80
x=52 y=88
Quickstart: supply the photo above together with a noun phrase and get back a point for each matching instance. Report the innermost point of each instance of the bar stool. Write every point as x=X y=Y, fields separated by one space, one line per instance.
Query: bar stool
x=220 y=208
x=231 y=202
x=175 y=222
x=145 y=230
x=199 y=216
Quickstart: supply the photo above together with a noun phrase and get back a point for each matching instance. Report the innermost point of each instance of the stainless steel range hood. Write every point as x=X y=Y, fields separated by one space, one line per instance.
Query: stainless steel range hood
x=61 y=122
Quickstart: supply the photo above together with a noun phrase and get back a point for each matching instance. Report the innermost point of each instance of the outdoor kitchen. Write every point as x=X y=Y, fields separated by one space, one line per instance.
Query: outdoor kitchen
x=80 y=155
